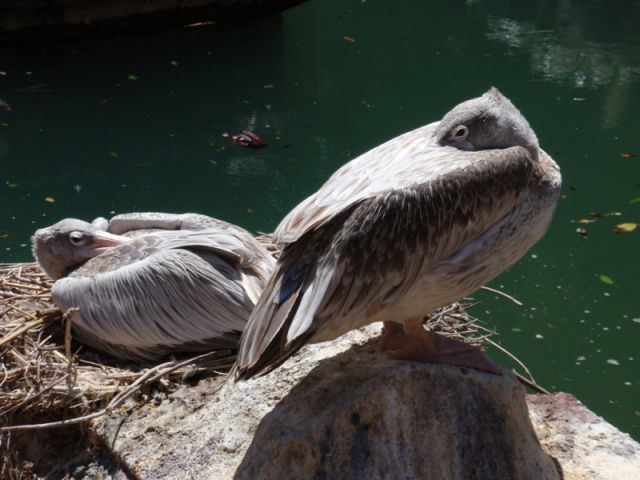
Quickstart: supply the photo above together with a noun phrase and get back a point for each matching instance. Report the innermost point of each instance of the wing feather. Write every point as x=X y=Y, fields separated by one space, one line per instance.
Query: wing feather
x=413 y=157
x=371 y=251
x=175 y=300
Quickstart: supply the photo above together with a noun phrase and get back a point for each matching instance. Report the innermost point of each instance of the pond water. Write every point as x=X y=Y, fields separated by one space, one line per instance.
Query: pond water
x=104 y=126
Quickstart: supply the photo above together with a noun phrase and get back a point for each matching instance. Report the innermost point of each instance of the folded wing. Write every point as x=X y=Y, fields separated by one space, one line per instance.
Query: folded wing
x=366 y=251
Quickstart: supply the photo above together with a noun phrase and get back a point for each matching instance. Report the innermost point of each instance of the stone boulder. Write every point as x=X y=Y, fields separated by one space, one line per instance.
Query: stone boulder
x=587 y=447
x=337 y=410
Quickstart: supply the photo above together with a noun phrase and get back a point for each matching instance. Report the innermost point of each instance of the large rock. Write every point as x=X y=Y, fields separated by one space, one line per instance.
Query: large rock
x=587 y=447
x=337 y=410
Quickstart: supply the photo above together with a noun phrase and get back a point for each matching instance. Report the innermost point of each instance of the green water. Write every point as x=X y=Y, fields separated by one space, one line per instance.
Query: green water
x=137 y=123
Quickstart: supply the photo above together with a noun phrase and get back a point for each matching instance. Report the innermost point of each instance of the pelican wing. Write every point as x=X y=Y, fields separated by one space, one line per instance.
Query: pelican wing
x=411 y=158
x=365 y=253
x=173 y=300
x=242 y=250
x=130 y=222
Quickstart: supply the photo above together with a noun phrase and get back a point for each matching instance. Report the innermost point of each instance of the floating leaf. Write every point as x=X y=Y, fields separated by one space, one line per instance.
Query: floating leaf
x=625 y=227
x=516 y=329
x=637 y=412
x=583 y=232
x=635 y=200
x=268 y=86
x=4 y=235
x=584 y=221
x=248 y=139
x=628 y=154
x=133 y=77
x=49 y=199
x=114 y=154
x=348 y=38
x=4 y=124
x=604 y=214
x=12 y=185
x=3 y=73
x=606 y=279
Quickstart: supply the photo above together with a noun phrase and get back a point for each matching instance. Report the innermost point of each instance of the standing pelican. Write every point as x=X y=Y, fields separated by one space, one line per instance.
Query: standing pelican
x=155 y=283
x=410 y=226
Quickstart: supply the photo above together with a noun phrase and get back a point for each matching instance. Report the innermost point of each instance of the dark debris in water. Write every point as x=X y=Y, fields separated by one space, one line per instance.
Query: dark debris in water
x=248 y=139
x=604 y=214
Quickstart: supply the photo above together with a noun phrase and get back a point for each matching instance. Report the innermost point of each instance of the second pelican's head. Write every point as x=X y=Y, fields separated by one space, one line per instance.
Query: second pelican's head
x=69 y=243
x=487 y=122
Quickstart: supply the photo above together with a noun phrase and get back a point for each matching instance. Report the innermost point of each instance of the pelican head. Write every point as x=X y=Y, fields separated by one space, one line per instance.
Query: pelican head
x=487 y=122
x=69 y=243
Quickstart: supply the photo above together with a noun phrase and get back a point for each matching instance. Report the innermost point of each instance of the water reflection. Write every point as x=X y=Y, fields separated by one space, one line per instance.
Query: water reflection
x=585 y=45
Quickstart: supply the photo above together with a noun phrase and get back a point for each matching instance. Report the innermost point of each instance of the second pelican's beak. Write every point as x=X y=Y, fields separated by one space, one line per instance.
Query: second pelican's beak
x=103 y=240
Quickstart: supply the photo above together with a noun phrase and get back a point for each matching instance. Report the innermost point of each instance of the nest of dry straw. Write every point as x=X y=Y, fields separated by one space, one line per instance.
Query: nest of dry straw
x=46 y=380
x=45 y=376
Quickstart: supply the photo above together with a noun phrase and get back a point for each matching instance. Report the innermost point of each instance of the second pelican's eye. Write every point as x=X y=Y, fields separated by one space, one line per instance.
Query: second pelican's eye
x=460 y=132
x=77 y=238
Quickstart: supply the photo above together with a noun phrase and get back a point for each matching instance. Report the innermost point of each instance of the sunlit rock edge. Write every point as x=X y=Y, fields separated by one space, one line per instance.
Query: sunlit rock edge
x=344 y=410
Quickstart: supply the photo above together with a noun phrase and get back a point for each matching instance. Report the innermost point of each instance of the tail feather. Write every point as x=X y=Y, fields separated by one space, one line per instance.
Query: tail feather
x=265 y=344
x=264 y=347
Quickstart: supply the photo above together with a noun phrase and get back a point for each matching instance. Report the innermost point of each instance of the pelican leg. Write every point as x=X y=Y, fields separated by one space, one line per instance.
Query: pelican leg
x=393 y=338
x=412 y=341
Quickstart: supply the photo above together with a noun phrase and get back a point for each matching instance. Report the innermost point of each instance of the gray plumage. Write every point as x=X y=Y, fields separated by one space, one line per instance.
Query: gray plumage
x=155 y=284
x=410 y=226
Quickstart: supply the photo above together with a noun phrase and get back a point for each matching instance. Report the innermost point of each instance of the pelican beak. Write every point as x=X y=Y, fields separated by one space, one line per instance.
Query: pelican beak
x=104 y=240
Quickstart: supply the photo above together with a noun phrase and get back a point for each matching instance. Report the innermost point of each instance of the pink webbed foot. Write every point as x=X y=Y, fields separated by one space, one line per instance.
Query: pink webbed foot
x=413 y=342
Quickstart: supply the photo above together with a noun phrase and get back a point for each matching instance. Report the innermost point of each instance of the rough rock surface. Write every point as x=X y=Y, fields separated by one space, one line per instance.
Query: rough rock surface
x=337 y=410
x=587 y=447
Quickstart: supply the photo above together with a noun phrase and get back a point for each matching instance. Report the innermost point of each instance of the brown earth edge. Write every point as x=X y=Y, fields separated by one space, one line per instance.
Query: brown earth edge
x=35 y=20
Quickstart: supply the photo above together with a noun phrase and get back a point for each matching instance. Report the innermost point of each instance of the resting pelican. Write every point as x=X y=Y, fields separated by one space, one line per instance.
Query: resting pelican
x=154 y=284
x=410 y=226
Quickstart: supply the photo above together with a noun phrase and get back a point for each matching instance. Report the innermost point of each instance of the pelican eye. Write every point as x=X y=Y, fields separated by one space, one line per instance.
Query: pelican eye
x=77 y=238
x=460 y=132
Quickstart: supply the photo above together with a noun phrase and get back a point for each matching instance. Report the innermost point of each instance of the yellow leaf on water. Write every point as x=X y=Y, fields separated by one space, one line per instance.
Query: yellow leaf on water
x=583 y=221
x=49 y=199
x=625 y=227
